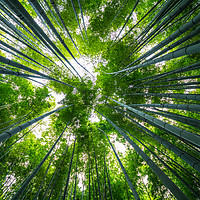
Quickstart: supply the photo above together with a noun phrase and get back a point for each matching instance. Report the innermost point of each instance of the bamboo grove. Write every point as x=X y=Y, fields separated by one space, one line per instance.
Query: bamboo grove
x=99 y=99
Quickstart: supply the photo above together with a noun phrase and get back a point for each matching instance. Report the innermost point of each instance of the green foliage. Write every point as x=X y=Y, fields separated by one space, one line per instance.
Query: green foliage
x=21 y=101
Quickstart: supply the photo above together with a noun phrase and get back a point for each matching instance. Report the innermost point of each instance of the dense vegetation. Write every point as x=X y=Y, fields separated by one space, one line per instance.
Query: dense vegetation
x=126 y=125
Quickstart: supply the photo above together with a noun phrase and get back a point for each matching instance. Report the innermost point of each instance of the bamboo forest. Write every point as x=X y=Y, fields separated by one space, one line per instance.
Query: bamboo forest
x=99 y=99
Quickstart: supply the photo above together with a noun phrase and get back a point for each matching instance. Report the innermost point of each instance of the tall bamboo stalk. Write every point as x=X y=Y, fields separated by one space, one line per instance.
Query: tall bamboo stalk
x=28 y=180
x=123 y=169
x=10 y=133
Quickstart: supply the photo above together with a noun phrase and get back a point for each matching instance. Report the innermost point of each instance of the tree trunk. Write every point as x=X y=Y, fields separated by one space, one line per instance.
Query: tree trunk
x=69 y=171
x=169 y=168
x=136 y=3
x=175 y=54
x=59 y=16
x=163 y=177
x=123 y=169
x=18 y=139
x=172 y=37
x=105 y=177
x=186 y=120
x=107 y=173
x=179 y=152
x=28 y=180
x=10 y=133
x=79 y=3
x=89 y=179
x=20 y=11
x=170 y=95
x=97 y=175
x=77 y=18
x=75 y=179
x=191 y=67
x=188 y=136
x=188 y=107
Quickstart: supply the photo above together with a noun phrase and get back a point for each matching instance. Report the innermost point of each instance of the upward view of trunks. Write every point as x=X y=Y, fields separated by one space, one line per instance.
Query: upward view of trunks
x=99 y=100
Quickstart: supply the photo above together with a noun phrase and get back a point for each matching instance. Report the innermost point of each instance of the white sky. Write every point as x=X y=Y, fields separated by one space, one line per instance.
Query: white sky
x=94 y=118
x=86 y=19
x=118 y=145
x=38 y=130
x=88 y=63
